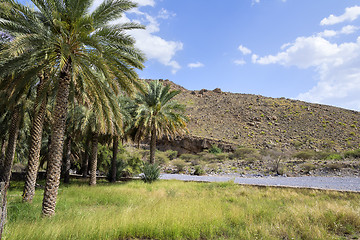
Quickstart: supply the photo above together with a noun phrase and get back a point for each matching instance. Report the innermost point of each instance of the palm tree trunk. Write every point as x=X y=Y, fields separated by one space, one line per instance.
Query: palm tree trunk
x=2 y=154
x=11 y=147
x=46 y=157
x=35 y=146
x=8 y=161
x=57 y=142
x=93 y=166
x=67 y=163
x=153 y=143
x=113 y=161
x=85 y=163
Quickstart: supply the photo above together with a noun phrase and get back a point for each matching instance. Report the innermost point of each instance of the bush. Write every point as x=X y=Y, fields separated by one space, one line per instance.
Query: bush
x=221 y=157
x=151 y=172
x=241 y=153
x=305 y=155
x=179 y=164
x=334 y=156
x=199 y=171
x=188 y=157
x=134 y=164
x=120 y=171
x=215 y=149
x=307 y=167
x=335 y=166
x=322 y=155
x=161 y=157
x=352 y=154
x=171 y=154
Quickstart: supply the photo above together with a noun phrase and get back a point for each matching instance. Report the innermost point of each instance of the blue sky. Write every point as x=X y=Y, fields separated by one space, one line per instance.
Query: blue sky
x=300 y=49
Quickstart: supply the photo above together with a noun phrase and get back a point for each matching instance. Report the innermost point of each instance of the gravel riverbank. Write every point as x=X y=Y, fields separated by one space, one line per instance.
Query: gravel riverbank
x=328 y=183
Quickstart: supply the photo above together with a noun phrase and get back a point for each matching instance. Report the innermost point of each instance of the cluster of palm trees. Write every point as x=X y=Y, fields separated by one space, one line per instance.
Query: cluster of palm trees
x=72 y=72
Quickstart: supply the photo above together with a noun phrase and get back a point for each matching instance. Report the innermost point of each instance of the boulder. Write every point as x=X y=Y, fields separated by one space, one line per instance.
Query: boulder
x=217 y=90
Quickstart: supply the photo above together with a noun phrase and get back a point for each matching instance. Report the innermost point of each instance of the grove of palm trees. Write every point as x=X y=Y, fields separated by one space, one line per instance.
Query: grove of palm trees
x=68 y=82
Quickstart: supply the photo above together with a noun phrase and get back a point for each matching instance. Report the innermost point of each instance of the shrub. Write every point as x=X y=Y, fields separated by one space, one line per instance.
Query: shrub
x=151 y=172
x=221 y=156
x=305 y=155
x=307 y=167
x=161 y=157
x=352 y=154
x=179 y=164
x=215 y=149
x=334 y=166
x=334 y=156
x=120 y=171
x=188 y=157
x=171 y=154
x=242 y=153
x=133 y=166
x=199 y=171
x=322 y=155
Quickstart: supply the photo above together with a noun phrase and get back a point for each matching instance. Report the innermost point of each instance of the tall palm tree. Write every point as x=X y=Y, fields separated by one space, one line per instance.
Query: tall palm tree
x=159 y=114
x=35 y=141
x=78 y=44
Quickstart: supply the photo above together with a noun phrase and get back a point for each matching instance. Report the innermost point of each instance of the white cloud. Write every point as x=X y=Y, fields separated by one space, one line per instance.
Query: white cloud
x=349 y=29
x=351 y=14
x=244 y=50
x=142 y=3
x=254 y=58
x=253 y=2
x=165 y=14
x=196 y=65
x=240 y=62
x=337 y=66
x=153 y=46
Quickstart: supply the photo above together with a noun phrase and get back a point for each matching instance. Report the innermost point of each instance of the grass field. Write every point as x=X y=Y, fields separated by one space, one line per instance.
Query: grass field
x=178 y=210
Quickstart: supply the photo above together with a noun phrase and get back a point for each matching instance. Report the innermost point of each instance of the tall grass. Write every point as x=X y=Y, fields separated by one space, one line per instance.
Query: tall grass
x=178 y=210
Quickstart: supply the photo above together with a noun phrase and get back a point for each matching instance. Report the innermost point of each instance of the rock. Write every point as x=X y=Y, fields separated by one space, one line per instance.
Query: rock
x=217 y=90
x=202 y=91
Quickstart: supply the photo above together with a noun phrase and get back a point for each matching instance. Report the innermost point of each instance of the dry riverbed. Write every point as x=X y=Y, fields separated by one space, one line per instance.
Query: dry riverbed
x=328 y=183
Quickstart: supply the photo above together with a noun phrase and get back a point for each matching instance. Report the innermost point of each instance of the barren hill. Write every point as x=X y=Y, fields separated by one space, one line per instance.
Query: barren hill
x=264 y=122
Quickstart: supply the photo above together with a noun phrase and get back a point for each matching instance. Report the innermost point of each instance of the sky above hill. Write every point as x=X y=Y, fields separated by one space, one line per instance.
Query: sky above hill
x=301 y=49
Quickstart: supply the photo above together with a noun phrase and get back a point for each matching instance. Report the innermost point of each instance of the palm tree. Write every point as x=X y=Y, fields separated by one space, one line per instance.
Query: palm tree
x=78 y=44
x=35 y=141
x=159 y=114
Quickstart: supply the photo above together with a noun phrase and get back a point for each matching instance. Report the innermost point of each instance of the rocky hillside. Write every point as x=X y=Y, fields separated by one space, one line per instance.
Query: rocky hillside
x=264 y=122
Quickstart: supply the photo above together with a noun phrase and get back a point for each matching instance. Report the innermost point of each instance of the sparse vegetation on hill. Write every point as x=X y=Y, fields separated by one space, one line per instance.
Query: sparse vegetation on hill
x=263 y=122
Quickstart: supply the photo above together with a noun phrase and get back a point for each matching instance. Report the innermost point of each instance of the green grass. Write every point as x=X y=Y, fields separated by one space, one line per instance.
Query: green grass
x=178 y=210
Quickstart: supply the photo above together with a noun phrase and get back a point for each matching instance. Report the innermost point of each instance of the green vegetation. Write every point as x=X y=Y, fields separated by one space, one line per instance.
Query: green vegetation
x=352 y=154
x=215 y=149
x=177 y=210
x=151 y=172
x=158 y=114
x=199 y=171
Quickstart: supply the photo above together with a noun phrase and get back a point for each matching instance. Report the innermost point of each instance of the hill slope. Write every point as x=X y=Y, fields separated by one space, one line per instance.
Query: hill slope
x=264 y=122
